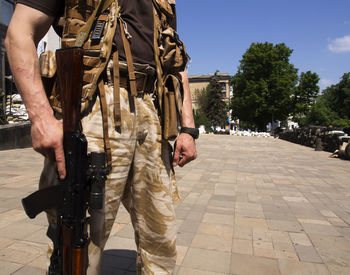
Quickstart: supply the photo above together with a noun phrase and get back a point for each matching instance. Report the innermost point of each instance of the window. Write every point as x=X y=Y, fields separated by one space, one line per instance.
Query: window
x=223 y=87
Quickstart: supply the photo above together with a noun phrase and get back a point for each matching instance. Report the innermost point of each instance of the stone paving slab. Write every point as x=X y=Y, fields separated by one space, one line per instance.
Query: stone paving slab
x=249 y=206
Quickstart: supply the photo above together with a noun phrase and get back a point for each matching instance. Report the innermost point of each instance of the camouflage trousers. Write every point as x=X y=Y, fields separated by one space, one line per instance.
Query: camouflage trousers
x=141 y=178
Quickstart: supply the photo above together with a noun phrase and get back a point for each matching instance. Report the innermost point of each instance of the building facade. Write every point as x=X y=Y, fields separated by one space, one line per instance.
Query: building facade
x=199 y=82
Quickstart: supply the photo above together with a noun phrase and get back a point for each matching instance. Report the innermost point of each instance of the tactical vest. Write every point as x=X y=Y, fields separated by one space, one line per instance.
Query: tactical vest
x=92 y=25
x=169 y=51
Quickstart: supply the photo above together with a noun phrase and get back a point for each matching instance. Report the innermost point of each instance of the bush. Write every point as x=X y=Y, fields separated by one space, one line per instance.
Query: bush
x=201 y=119
x=341 y=122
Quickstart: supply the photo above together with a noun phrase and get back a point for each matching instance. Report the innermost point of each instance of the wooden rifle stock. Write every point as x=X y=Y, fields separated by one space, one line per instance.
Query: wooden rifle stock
x=70 y=78
x=74 y=238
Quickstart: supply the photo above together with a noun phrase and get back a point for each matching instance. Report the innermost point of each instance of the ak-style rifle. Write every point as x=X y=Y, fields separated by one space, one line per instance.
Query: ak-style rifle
x=83 y=186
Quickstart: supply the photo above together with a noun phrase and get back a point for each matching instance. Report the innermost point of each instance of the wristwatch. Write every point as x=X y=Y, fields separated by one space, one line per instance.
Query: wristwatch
x=193 y=132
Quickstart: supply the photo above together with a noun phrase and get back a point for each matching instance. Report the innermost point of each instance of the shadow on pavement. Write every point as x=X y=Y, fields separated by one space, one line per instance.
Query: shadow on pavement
x=118 y=262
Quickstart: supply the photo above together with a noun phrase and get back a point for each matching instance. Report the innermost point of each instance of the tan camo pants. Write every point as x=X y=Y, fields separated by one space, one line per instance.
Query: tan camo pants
x=141 y=178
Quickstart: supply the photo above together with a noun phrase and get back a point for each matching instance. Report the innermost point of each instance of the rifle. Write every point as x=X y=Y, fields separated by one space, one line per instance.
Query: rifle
x=83 y=186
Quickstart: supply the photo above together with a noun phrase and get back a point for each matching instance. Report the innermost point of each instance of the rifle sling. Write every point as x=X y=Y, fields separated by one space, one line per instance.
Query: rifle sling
x=84 y=31
x=104 y=112
x=159 y=70
x=116 y=92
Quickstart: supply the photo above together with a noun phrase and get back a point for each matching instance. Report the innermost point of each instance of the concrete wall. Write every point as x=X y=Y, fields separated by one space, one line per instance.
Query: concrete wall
x=15 y=135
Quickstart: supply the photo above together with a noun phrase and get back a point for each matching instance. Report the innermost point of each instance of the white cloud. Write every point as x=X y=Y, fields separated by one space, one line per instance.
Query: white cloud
x=324 y=83
x=340 y=45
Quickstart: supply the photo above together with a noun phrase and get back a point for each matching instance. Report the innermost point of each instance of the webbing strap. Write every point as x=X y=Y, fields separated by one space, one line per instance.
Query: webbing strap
x=116 y=91
x=84 y=31
x=104 y=112
x=159 y=70
x=129 y=61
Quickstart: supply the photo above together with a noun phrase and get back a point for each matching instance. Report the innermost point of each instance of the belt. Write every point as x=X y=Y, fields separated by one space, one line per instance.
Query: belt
x=144 y=82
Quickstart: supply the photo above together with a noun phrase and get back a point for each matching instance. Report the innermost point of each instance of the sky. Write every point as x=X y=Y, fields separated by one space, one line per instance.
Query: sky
x=218 y=32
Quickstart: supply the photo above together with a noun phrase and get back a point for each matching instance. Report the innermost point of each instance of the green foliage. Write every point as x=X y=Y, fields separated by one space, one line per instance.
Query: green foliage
x=333 y=105
x=319 y=114
x=199 y=115
x=215 y=108
x=263 y=85
x=246 y=125
x=341 y=122
x=211 y=108
x=304 y=95
x=267 y=88
x=338 y=97
x=201 y=119
x=201 y=98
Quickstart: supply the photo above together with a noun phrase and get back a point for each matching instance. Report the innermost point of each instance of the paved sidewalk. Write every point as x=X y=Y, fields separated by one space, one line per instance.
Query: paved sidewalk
x=249 y=206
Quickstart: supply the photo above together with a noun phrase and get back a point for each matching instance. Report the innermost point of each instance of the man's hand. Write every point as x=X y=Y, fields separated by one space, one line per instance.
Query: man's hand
x=47 y=139
x=185 y=147
x=185 y=150
x=26 y=28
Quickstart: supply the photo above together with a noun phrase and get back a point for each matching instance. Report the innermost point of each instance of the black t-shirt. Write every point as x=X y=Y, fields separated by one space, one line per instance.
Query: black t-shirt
x=137 y=14
x=50 y=7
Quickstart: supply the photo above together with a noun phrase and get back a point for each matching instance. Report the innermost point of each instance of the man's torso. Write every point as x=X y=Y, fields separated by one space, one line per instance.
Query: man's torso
x=138 y=16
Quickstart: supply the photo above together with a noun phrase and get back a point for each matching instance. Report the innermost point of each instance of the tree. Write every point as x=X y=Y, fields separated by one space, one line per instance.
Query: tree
x=338 y=97
x=215 y=108
x=201 y=96
x=201 y=119
x=319 y=114
x=199 y=115
x=304 y=95
x=332 y=107
x=263 y=85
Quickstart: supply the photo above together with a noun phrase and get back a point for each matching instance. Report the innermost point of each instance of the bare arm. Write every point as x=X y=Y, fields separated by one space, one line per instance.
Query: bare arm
x=185 y=149
x=26 y=28
x=187 y=115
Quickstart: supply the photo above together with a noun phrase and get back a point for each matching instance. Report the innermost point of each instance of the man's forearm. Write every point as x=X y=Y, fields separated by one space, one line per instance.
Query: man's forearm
x=26 y=28
x=187 y=115
x=22 y=55
x=185 y=149
x=25 y=69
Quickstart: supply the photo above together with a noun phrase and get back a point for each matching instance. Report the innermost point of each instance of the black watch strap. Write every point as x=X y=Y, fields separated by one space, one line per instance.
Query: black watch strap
x=194 y=132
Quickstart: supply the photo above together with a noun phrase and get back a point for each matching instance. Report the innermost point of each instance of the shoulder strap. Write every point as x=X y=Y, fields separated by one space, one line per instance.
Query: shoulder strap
x=159 y=70
x=129 y=61
x=84 y=31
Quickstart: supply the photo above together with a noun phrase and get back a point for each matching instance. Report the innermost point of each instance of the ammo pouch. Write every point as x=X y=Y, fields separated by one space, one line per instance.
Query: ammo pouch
x=172 y=106
x=172 y=52
x=173 y=55
x=47 y=64
x=171 y=58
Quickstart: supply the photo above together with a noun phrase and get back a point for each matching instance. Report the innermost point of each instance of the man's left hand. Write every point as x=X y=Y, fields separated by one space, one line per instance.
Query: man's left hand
x=185 y=150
